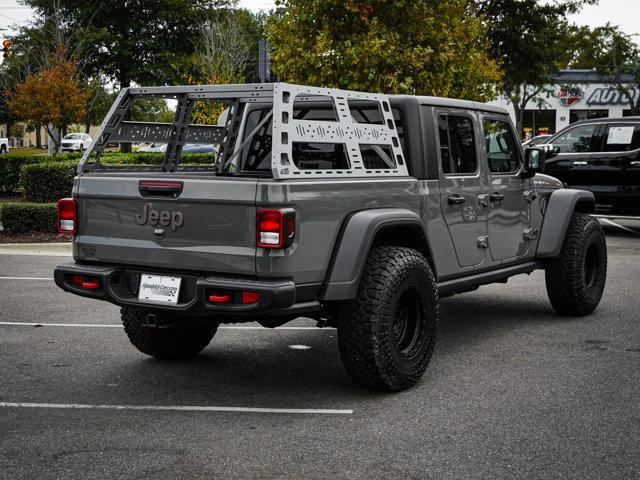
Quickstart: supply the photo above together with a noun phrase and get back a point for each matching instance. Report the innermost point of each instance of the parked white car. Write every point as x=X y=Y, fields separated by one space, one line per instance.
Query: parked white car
x=76 y=142
x=4 y=145
x=154 y=147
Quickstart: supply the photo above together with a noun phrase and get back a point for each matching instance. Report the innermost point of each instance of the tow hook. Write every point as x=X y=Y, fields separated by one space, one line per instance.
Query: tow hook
x=152 y=320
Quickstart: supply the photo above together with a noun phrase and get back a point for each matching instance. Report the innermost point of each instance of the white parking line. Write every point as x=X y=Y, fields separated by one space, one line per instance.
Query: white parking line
x=621 y=217
x=238 y=327
x=622 y=227
x=177 y=408
x=99 y=325
x=26 y=278
x=36 y=324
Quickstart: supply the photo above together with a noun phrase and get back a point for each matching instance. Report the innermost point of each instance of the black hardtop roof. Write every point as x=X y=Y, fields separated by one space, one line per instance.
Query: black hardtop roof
x=451 y=103
x=597 y=121
x=604 y=120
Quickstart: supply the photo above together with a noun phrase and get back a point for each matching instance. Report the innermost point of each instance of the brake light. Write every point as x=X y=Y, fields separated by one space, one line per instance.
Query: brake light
x=154 y=188
x=275 y=228
x=67 y=216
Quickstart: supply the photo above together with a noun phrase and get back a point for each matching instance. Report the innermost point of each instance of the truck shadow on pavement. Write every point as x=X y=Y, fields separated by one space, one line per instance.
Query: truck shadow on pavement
x=253 y=367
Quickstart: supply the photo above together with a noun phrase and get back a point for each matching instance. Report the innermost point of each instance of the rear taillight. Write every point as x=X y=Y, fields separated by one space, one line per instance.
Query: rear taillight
x=275 y=228
x=67 y=215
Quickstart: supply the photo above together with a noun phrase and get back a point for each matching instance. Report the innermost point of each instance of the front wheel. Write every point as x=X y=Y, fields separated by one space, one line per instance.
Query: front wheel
x=575 y=280
x=3 y=149
x=387 y=333
x=161 y=335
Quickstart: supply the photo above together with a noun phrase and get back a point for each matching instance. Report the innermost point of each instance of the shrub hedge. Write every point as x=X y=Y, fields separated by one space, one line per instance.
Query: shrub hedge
x=51 y=180
x=22 y=217
x=47 y=181
x=11 y=164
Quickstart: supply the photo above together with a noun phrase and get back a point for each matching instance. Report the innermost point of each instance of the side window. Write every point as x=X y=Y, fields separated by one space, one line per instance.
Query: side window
x=576 y=140
x=621 y=138
x=457 y=145
x=500 y=146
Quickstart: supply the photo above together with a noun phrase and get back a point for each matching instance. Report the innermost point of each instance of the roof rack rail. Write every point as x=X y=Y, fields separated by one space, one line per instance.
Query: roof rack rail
x=286 y=129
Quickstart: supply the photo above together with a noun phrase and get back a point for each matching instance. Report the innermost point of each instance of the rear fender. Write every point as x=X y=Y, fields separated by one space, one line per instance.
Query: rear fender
x=353 y=245
x=561 y=205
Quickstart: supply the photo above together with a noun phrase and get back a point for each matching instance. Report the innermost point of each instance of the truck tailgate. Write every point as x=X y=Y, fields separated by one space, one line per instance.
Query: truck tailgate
x=209 y=227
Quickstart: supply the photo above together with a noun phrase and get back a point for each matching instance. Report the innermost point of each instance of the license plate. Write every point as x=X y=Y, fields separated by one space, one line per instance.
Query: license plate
x=159 y=289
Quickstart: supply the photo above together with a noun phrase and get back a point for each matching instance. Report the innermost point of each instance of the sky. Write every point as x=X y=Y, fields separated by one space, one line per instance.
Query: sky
x=624 y=13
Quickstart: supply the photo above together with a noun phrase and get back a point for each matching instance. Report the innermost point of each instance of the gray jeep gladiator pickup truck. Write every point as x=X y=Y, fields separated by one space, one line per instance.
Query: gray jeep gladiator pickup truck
x=358 y=210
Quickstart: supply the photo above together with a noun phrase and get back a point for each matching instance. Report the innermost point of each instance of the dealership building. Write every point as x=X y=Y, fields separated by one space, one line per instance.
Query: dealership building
x=566 y=106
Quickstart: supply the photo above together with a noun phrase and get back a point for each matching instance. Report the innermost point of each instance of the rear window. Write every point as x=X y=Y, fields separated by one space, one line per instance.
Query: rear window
x=256 y=156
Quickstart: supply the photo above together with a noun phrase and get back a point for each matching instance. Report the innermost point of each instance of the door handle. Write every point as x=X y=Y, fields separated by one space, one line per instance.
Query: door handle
x=456 y=200
x=635 y=163
x=580 y=163
x=496 y=197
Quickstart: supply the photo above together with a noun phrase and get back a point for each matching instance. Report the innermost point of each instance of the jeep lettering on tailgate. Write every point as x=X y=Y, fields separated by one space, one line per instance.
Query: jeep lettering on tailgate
x=164 y=218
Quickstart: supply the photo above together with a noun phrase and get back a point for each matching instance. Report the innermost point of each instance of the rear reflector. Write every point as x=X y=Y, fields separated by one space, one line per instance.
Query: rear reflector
x=234 y=297
x=67 y=216
x=275 y=228
x=85 y=282
x=219 y=298
x=250 y=297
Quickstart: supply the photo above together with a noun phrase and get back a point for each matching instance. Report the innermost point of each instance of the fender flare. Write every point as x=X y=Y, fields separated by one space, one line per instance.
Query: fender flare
x=560 y=206
x=352 y=247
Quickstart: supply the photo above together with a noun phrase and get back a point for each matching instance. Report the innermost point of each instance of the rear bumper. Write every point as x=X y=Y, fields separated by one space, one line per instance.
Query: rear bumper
x=119 y=285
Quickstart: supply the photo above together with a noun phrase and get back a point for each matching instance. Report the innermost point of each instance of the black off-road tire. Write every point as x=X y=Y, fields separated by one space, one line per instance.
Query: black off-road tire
x=379 y=349
x=576 y=279
x=3 y=150
x=168 y=339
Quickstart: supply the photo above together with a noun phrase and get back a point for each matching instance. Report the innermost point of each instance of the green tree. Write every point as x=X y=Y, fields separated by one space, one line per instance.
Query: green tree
x=151 y=110
x=424 y=47
x=226 y=52
x=99 y=101
x=142 y=41
x=529 y=40
x=614 y=55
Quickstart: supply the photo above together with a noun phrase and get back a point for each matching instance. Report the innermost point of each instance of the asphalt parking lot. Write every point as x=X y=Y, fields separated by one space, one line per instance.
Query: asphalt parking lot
x=513 y=391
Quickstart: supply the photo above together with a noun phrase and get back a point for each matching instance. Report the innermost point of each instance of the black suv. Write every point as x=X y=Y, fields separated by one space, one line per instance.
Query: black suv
x=601 y=155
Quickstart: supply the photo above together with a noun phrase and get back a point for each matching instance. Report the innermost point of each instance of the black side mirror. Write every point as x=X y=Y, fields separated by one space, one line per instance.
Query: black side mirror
x=534 y=159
